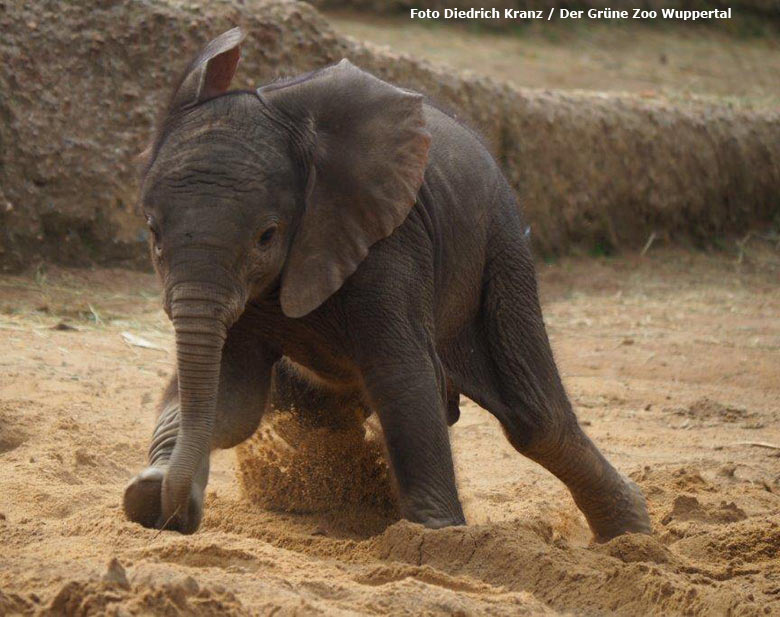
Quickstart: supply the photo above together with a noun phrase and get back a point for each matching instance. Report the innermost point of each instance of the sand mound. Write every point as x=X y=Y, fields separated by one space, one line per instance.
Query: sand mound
x=114 y=595
x=684 y=568
x=706 y=409
x=631 y=575
x=292 y=467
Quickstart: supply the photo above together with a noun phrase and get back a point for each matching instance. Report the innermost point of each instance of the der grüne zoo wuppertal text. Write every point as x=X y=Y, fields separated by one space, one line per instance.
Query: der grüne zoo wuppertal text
x=558 y=13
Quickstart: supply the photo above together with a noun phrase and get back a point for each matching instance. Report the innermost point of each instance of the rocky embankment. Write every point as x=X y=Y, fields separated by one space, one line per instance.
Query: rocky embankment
x=81 y=84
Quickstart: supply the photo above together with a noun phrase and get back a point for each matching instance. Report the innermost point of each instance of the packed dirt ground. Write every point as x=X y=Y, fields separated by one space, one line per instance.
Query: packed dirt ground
x=672 y=361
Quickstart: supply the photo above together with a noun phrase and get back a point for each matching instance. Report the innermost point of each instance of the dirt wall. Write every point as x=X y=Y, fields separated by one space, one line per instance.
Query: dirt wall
x=81 y=85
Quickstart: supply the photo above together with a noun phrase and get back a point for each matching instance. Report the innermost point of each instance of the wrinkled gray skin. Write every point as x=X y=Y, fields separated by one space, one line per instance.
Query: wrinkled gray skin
x=360 y=245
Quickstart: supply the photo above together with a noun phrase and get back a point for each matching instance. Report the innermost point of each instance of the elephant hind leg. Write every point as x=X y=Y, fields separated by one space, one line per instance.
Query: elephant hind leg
x=534 y=409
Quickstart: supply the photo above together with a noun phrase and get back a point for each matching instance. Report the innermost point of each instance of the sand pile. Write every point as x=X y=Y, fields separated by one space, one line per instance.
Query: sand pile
x=707 y=557
x=317 y=533
x=290 y=467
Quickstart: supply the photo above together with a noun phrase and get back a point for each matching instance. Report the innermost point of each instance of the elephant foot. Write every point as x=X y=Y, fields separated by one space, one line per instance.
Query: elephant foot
x=628 y=516
x=433 y=514
x=143 y=503
x=439 y=523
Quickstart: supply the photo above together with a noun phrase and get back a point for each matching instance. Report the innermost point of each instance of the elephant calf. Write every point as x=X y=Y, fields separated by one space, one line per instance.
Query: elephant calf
x=370 y=240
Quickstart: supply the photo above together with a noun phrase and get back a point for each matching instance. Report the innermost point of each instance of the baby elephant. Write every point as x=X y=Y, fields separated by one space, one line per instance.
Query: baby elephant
x=369 y=240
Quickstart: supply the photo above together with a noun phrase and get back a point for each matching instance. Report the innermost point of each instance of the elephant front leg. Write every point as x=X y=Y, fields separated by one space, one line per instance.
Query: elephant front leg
x=408 y=397
x=142 y=496
x=245 y=376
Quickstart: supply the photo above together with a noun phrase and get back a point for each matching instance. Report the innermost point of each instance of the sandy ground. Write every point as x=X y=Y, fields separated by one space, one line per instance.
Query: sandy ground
x=676 y=62
x=672 y=360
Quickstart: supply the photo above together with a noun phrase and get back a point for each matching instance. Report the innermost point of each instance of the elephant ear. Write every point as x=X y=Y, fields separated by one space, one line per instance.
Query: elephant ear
x=207 y=76
x=210 y=72
x=369 y=153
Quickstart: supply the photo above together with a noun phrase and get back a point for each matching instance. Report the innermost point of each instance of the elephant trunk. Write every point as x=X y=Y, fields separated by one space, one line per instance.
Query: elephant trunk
x=200 y=321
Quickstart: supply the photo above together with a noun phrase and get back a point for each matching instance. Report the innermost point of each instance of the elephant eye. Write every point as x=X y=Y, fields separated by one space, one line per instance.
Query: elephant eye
x=268 y=235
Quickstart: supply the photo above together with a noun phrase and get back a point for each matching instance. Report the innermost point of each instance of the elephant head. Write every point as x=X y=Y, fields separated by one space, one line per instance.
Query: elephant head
x=275 y=193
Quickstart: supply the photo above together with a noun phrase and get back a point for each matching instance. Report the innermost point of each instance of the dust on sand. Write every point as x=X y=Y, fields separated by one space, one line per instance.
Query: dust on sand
x=672 y=362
